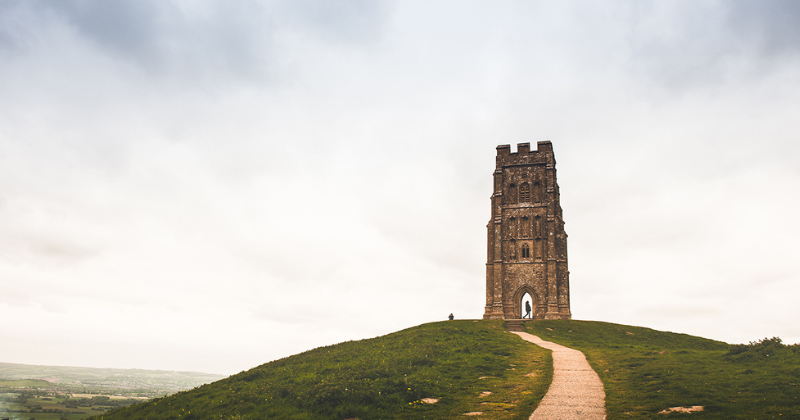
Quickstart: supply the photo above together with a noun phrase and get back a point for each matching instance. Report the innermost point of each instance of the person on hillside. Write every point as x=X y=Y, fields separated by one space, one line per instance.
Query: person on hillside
x=451 y=316
x=527 y=309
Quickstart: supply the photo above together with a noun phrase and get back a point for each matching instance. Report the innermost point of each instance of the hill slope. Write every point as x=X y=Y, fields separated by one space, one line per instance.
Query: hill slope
x=644 y=372
x=387 y=377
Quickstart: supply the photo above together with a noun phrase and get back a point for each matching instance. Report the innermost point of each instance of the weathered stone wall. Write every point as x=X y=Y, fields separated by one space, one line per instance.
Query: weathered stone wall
x=526 y=242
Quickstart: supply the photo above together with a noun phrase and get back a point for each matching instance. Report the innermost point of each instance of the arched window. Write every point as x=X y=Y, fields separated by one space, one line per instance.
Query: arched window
x=525 y=193
x=512 y=194
x=526 y=251
x=526 y=227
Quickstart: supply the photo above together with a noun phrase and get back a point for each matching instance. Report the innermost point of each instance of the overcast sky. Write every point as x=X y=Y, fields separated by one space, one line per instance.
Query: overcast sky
x=211 y=185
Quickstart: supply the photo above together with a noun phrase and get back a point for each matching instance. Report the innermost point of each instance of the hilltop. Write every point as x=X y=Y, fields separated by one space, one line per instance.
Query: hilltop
x=477 y=366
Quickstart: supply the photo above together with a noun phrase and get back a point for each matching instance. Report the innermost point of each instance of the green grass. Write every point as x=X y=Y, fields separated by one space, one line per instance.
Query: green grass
x=380 y=378
x=645 y=371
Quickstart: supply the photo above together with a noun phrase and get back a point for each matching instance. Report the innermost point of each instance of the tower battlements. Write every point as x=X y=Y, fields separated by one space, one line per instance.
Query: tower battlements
x=524 y=155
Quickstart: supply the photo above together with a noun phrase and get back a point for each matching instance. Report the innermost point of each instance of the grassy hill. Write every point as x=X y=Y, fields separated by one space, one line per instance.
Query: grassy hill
x=476 y=366
x=457 y=362
x=646 y=371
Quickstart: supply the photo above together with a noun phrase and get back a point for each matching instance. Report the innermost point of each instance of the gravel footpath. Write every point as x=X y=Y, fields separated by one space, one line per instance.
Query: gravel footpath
x=576 y=391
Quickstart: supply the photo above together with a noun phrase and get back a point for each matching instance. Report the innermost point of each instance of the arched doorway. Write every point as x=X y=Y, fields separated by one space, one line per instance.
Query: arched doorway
x=526 y=298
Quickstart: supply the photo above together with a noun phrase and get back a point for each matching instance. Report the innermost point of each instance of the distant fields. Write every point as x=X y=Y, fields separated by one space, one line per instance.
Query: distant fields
x=52 y=408
x=147 y=383
x=55 y=392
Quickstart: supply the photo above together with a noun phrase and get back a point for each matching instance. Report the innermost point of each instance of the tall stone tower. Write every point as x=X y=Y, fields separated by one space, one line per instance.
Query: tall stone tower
x=527 y=243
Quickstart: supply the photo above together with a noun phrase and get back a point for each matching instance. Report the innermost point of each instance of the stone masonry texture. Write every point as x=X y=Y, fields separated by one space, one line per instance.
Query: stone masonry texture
x=527 y=245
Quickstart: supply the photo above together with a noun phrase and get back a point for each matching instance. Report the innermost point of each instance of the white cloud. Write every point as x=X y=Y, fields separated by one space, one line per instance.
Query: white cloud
x=214 y=187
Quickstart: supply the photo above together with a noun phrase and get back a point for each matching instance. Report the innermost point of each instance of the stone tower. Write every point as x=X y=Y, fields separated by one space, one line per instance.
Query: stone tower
x=527 y=243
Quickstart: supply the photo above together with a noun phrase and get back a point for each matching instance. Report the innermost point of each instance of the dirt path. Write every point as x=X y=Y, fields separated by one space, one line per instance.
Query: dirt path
x=576 y=391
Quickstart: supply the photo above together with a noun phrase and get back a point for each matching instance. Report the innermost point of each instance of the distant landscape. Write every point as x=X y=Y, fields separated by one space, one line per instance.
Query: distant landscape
x=56 y=392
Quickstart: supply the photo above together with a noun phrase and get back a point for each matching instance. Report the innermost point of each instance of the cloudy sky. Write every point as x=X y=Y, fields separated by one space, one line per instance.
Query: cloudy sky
x=211 y=185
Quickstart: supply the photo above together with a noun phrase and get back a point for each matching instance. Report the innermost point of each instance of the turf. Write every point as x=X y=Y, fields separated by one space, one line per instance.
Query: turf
x=456 y=362
x=646 y=371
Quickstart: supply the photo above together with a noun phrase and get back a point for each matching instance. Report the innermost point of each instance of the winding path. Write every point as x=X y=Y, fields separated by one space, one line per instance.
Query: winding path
x=576 y=391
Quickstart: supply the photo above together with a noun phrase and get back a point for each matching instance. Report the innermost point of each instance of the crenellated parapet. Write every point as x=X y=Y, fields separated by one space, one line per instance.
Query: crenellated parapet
x=543 y=154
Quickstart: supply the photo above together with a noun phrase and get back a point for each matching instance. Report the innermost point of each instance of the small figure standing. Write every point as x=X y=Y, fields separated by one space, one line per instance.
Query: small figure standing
x=527 y=309
x=451 y=316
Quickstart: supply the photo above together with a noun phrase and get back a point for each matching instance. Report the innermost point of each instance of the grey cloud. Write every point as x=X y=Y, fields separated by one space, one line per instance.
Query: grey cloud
x=689 y=44
x=772 y=24
x=352 y=21
x=683 y=48
x=15 y=25
x=163 y=39
x=211 y=39
x=124 y=26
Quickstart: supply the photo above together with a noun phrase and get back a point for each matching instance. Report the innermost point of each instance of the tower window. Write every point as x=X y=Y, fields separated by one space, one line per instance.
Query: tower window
x=525 y=193
x=526 y=251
